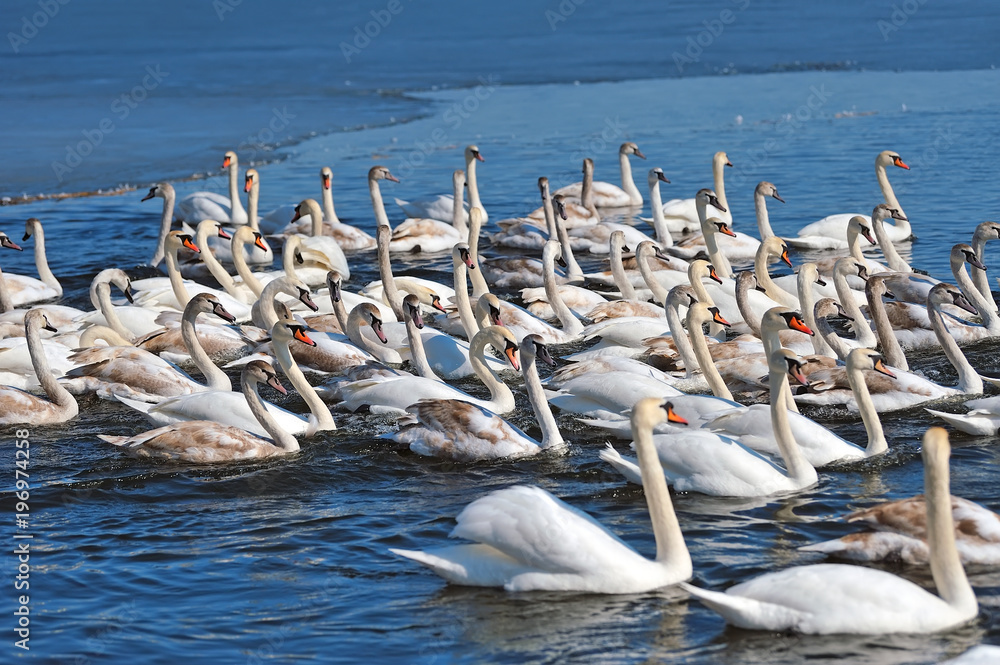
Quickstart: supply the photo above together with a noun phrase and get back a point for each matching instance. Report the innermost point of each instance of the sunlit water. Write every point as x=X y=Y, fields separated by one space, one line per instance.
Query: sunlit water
x=288 y=560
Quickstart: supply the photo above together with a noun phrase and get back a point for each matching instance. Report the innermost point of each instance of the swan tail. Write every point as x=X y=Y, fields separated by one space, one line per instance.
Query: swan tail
x=622 y=465
x=977 y=425
x=744 y=612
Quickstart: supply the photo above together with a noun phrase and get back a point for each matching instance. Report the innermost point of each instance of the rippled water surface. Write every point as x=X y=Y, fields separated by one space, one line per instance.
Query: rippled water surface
x=287 y=560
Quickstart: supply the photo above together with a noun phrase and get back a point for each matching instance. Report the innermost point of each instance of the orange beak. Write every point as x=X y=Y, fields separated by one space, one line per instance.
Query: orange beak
x=728 y=163
x=724 y=228
x=714 y=275
x=224 y=235
x=436 y=304
x=796 y=373
x=190 y=245
x=247 y=184
x=795 y=323
x=899 y=162
x=511 y=353
x=258 y=240
x=326 y=182
x=301 y=335
x=226 y=162
x=717 y=317
x=882 y=369
x=784 y=257
x=672 y=416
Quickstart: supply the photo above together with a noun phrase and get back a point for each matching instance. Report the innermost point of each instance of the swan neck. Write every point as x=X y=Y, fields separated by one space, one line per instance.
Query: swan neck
x=220 y=274
x=281 y=438
x=215 y=377
x=91 y=334
x=979 y=277
x=946 y=565
x=680 y=337
x=773 y=291
x=570 y=324
x=659 y=292
x=500 y=394
x=462 y=301
x=798 y=467
x=42 y=262
x=479 y=285
x=551 y=436
x=472 y=182
x=719 y=260
x=166 y=217
x=176 y=282
x=892 y=257
x=750 y=316
x=573 y=270
x=719 y=183
x=862 y=331
x=622 y=281
x=298 y=380
x=110 y=315
x=329 y=212
x=381 y=218
x=234 y=192
x=353 y=332
x=763 y=218
x=628 y=184
x=5 y=302
x=839 y=346
x=252 y=198
x=969 y=381
x=418 y=355
x=663 y=236
x=390 y=293
x=989 y=314
x=883 y=329
x=890 y=196
x=869 y=416
x=458 y=214
x=670 y=548
x=242 y=269
x=704 y=356
x=265 y=304
x=40 y=363
x=807 y=303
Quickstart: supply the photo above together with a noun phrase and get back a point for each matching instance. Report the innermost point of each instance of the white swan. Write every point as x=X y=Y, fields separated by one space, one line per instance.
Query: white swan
x=583 y=213
x=209 y=205
x=835 y=226
x=527 y=539
x=427 y=235
x=985 y=231
x=834 y=598
x=463 y=432
x=349 y=238
x=684 y=212
x=24 y=290
x=205 y=442
x=21 y=408
x=320 y=252
x=442 y=207
x=231 y=408
x=165 y=191
x=607 y=195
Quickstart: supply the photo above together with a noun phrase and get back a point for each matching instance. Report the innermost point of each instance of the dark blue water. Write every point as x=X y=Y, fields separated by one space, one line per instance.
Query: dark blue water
x=288 y=560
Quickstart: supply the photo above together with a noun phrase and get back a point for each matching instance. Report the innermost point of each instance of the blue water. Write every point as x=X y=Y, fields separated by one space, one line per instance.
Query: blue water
x=287 y=561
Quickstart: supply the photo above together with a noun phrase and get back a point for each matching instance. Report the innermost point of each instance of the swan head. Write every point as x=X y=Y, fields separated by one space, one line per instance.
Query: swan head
x=115 y=276
x=883 y=211
x=875 y=287
x=251 y=180
x=698 y=269
x=36 y=320
x=206 y=303
x=648 y=248
x=890 y=158
x=500 y=339
x=5 y=241
x=827 y=307
x=746 y=280
x=987 y=231
x=326 y=177
x=708 y=198
x=532 y=347
x=368 y=313
x=652 y=411
x=178 y=239
x=783 y=361
x=260 y=371
x=285 y=330
x=245 y=234
x=630 y=148
x=296 y=287
x=722 y=158
x=381 y=173
x=162 y=190
x=655 y=176
x=552 y=253
x=765 y=188
x=411 y=307
x=308 y=207
x=210 y=227
x=588 y=167
x=617 y=240
x=778 y=318
x=333 y=282
x=868 y=359
x=558 y=206
x=230 y=160
x=775 y=246
x=460 y=253
x=810 y=272
x=472 y=152
x=946 y=294
x=458 y=178
x=964 y=253
x=29 y=227
x=859 y=225
x=721 y=227
x=488 y=307
x=935 y=451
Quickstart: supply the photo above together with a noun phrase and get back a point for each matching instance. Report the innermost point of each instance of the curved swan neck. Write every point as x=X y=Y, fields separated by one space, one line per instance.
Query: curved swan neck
x=110 y=315
x=90 y=335
x=862 y=331
x=381 y=218
x=774 y=292
x=670 y=548
x=823 y=327
x=391 y=294
x=622 y=281
x=991 y=319
x=695 y=318
x=869 y=416
x=265 y=307
x=41 y=261
x=763 y=218
x=479 y=285
x=979 y=240
x=643 y=257
x=462 y=301
x=472 y=181
x=946 y=565
x=220 y=274
x=715 y=255
x=176 y=281
x=319 y=409
x=750 y=316
x=240 y=263
x=891 y=349
x=889 y=195
x=892 y=257
x=804 y=282
x=166 y=217
x=215 y=377
x=797 y=465
x=458 y=214
x=551 y=436
x=969 y=381
x=570 y=324
x=329 y=212
x=628 y=184
x=353 y=332
x=573 y=270
x=418 y=355
x=40 y=363
x=281 y=438
x=663 y=236
x=671 y=305
x=315 y=218
x=500 y=393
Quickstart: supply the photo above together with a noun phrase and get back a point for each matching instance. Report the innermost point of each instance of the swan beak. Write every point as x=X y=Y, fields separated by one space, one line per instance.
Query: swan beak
x=820 y=281
x=25 y=237
x=376 y=325
x=784 y=257
x=898 y=215
x=638 y=153
x=48 y=326
x=662 y=177
x=843 y=313
x=560 y=208
x=511 y=353
x=306 y=300
x=221 y=312
x=187 y=242
x=152 y=193
x=562 y=263
x=298 y=212
x=728 y=163
x=272 y=380
x=226 y=162
x=867 y=234
x=416 y=317
x=475 y=153
x=128 y=294
x=9 y=244
x=467 y=260
x=897 y=160
x=223 y=234
x=974 y=261
x=258 y=240
x=725 y=230
x=390 y=177
x=775 y=196
x=625 y=249
x=714 y=200
x=495 y=318
x=247 y=184
x=436 y=304
x=960 y=301
x=542 y=353
x=300 y=334
x=882 y=369
x=758 y=287
x=672 y=416
x=714 y=276
x=796 y=323
x=326 y=181
x=795 y=371
x=717 y=317
x=889 y=294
